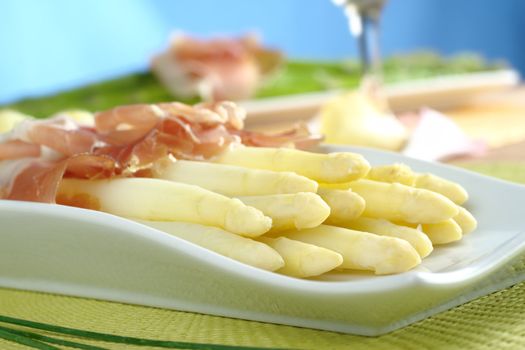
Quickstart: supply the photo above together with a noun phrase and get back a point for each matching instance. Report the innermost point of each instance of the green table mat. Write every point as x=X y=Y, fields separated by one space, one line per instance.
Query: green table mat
x=495 y=321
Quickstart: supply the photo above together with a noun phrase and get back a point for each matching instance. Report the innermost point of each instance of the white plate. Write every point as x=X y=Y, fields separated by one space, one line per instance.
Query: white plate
x=72 y=251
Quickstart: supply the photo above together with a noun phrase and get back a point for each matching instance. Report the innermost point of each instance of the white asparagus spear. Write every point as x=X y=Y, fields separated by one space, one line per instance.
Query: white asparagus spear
x=291 y=211
x=10 y=118
x=399 y=173
x=443 y=232
x=331 y=167
x=334 y=186
x=362 y=250
x=396 y=202
x=233 y=180
x=453 y=191
x=223 y=242
x=345 y=205
x=303 y=259
x=153 y=199
x=416 y=238
x=465 y=220
x=402 y=174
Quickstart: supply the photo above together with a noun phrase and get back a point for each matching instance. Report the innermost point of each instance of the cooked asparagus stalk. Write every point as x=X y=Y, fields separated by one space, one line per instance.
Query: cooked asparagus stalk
x=399 y=173
x=396 y=202
x=153 y=199
x=223 y=242
x=291 y=211
x=10 y=118
x=362 y=250
x=443 y=232
x=465 y=220
x=453 y=191
x=303 y=259
x=416 y=238
x=233 y=180
x=331 y=167
x=345 y=205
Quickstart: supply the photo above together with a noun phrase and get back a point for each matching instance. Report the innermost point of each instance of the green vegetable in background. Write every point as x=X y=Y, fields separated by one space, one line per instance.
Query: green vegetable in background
x=295 y=77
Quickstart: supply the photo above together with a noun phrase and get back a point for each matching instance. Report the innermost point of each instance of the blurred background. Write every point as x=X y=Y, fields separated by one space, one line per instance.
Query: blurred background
x=52 y=45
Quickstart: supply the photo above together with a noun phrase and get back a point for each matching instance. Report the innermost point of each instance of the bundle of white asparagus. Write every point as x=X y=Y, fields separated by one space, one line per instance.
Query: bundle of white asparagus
x=296 y=213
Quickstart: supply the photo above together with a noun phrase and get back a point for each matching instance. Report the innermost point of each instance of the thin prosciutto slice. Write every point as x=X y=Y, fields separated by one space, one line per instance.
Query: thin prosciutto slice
x=38 y=181
x=186 y=132
x=61 y=135
x=298 y=137
x=14 y=149
x=124 y=141
x=215 y=69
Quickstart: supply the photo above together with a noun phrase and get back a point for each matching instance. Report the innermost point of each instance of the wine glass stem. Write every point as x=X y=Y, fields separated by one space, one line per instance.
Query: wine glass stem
x=369 y=49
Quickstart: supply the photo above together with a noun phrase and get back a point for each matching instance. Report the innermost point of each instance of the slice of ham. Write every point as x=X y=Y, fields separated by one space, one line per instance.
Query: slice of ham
x=187 y=132
x=63 y=139
x=207 y=113
x=216 y=69
x=14 y=149
x=38 y=181
x=298 y=136
x=125 y=141
x=61 y=135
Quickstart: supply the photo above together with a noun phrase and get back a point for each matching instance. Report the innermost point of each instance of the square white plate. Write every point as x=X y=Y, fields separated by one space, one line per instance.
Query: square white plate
x=85 y=253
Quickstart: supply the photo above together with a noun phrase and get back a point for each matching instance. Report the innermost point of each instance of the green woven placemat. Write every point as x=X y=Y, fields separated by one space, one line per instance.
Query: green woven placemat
x=510 y=171
x=496 y=321
x=492 y=322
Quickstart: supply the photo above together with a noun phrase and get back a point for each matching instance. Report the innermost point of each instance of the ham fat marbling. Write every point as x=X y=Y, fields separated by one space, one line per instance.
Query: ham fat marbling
x=124 y=141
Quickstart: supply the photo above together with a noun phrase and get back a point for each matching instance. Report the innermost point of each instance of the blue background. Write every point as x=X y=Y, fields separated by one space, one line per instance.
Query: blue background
x=50 y=45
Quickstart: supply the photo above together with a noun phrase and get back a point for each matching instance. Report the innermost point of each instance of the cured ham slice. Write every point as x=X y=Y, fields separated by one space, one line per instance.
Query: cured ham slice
x=13 y=149
x=187 y=132
x=220 y=68
x=124 y=141
x=298 y=137
x=126 y=124
x=61 y=135
x=38 y=181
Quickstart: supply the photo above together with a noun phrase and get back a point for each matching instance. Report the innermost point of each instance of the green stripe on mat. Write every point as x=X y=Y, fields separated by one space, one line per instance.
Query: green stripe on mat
x=20 y=339
x=119 y=339
x=46 y=339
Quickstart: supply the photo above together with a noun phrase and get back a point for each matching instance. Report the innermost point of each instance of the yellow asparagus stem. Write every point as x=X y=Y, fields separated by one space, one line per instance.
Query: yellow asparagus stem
x=234 y=180
x=443 y=232
x=334 y=186
x=331 y=167
x=10 y=118
x=303 y=259
x=399 y=173
x=152 y=199
x=465 y=220
x=449 y=189
x=291 y=211
x=362 y=250
x=416 y=238
x=396 y=202
x=345 y=205
x=223 y=242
